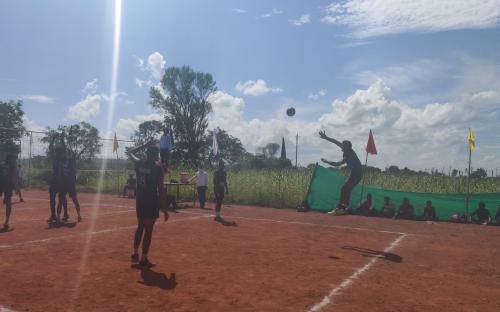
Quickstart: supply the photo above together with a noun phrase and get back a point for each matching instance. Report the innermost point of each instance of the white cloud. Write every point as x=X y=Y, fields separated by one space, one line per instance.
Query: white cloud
x=315 y=96
x=86 y=108
x=367 y=18
x=256 y=88
x=43 y=99
x=125 y=127
x=407 y=76
x=90 y=87
x=416 y=137
x=272 y=13
x=141 y=83
x=302 y=20
x=156 y=65
x=240 y=11
x=140 y=63
x=32 y=125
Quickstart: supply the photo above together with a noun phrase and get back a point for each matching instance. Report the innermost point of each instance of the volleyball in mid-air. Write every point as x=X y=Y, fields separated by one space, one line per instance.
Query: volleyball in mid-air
x=290 y=111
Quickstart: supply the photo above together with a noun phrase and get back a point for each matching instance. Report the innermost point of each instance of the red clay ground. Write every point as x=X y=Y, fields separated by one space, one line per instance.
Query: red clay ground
x=273 y=260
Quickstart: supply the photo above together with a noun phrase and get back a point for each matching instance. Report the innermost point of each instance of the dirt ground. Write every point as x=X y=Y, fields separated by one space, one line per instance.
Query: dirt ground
x=270 y=260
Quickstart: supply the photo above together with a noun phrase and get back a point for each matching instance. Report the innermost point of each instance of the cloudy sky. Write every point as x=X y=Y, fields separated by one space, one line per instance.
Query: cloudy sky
x=418 y=73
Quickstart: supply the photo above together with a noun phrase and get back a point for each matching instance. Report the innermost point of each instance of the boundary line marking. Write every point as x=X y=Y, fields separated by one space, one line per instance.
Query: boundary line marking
x=99 y=215
x=350 y=280
x=303 y=223
x=49 y=239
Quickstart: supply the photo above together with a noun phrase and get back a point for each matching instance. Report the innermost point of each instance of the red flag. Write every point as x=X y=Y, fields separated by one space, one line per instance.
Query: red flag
x=370 y=146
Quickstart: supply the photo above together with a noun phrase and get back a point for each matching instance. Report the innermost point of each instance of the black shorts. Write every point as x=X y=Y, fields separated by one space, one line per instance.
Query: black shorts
x=71 y=191
x=219 y=193
x=7 y=195
x=147 y=208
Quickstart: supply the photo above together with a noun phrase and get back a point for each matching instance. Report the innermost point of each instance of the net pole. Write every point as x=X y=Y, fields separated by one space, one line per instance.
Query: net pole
x=296 y=148
x=29 y=159
x=363 y=183
x=468 y=188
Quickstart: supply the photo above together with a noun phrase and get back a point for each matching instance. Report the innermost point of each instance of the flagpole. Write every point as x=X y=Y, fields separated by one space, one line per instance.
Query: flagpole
x=296 y=148
x=468 y=188
x=363 y=182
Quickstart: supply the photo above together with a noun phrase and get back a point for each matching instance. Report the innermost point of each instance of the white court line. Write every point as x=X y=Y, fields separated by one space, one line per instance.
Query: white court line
x=260 y=219
x=348 y=281
x=92 y=233
x=99 y=215
x=305 y=223
x=4 y=309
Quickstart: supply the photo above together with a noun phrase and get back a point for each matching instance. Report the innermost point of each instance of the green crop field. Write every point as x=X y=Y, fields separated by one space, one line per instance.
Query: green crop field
x=283 y=188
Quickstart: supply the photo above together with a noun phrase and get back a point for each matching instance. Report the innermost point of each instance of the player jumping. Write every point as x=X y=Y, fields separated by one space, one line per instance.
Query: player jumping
x=351 y=159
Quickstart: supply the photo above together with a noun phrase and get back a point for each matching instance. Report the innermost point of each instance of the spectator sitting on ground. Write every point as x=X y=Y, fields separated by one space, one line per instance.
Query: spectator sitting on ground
x=483 y=214
x=366 y=207
x=130 y=186
x=388 y=210
x=405 y=211
x=429 y=212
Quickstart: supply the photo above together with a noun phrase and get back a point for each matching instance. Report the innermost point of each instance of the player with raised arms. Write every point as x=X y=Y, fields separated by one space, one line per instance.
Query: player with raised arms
x=356 y=171
x=150 y=198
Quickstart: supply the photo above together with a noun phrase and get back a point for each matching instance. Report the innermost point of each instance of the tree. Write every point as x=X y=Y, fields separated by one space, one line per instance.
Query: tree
x=479 y=174
x=183 y=97
x=11 y=126
x=230 y=148
x=82 y=140
x=272 y=149
x=146 y=131
x=454 y=172
x=392 y=169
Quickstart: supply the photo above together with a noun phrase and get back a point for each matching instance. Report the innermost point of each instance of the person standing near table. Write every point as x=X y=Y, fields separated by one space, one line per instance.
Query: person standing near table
x=201 y=185
x=220 y=185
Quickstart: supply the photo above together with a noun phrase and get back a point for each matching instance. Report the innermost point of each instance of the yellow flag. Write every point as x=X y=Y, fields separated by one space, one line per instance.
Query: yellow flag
x=472 y=143
x=115 y=144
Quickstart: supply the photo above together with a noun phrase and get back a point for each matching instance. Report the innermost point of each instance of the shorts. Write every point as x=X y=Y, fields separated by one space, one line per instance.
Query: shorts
x=148 y=209
x=72 y=191
x=7 y=195
x=219 y=193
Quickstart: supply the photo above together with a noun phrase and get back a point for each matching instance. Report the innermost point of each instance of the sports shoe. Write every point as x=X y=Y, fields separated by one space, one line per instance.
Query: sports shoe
x=337 y=212
x=218 y=218
x=134 y=258
x=146 y=264
x=65 y=218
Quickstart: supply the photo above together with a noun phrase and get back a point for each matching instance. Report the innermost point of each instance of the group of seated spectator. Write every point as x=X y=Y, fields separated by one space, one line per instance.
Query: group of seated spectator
x=406 y=211
x=483 y=216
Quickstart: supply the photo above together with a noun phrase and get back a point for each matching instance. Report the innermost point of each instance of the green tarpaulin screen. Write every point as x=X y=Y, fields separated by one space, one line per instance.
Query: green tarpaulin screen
x=324 y=192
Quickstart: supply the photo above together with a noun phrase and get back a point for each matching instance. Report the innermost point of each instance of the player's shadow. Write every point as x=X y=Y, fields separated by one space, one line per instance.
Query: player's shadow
x=61 y=225
x=374 y=253
x=157 y=279
x=227 y=223
x=5 y=230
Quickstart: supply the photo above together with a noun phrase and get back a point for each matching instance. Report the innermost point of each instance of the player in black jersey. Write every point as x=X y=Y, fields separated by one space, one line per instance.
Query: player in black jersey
x=150 y=198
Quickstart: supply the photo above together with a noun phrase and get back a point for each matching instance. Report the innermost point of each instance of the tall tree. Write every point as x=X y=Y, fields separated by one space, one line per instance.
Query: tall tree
x=183 y=97
x=283 y=148
x=81 y=140
x=272 y=149
x=11 y=126
x=147 y=131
